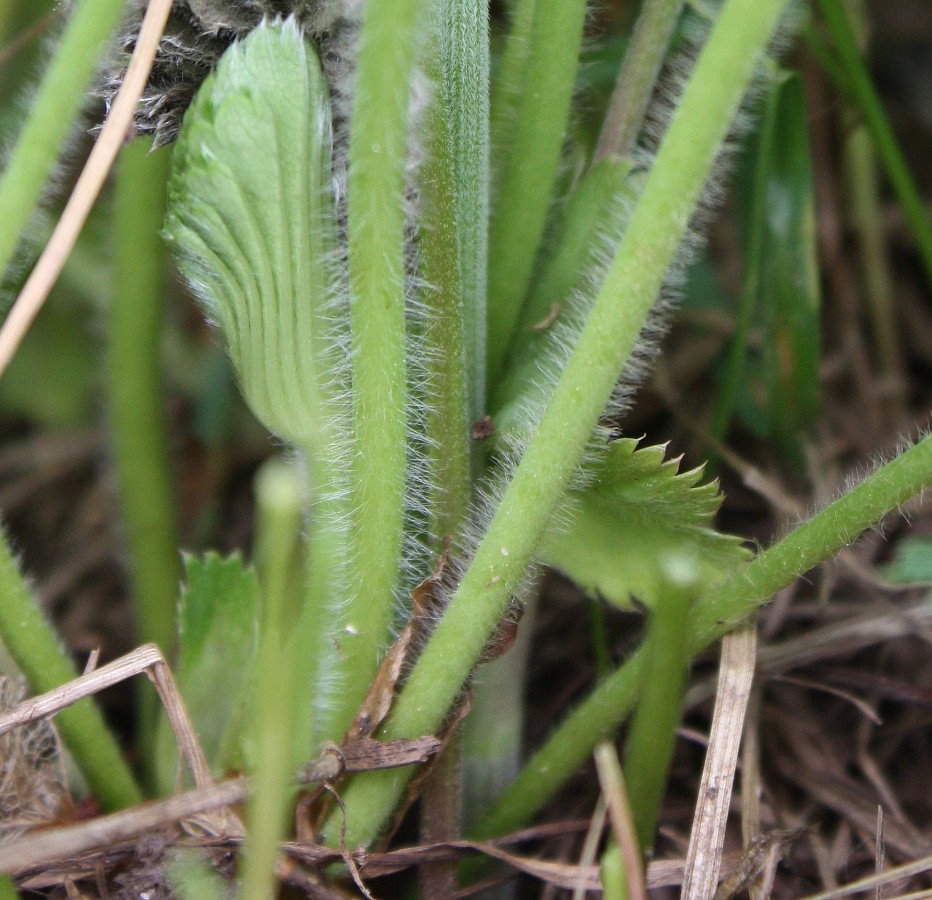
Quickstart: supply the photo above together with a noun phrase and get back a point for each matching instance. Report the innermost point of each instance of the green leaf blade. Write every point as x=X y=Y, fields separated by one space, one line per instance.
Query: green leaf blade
x=637 y=510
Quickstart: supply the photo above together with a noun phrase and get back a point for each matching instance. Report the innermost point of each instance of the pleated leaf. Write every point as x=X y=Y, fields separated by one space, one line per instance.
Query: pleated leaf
x=251 y=221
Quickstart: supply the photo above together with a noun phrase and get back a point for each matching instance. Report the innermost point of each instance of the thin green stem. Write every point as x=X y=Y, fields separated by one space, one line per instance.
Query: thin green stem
x=278 y=497
x=606 y=707
x=52 y=113
x=637 y=77
x=377 y=153
x=525 y=185
x=34 y=647
x=7 y=888
x=621 y=308
x=857 y=84
x=137 y=414
x=653 y=727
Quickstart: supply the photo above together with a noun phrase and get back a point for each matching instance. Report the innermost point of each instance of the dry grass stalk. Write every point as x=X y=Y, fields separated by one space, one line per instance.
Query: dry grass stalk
x=736 y=676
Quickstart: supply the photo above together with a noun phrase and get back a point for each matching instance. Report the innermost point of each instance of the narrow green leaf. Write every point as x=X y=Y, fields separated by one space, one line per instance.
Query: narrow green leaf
x=217 y=637
x=777 y=392
x=789 y=284
x=639 y=509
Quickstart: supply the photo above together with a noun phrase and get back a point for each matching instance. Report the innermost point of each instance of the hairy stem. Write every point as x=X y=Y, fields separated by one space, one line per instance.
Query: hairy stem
x=56 y=105
x=465 y=51
x=658 y=224
x=525 y=184
x=35 y=649
x=377 y=154
x=606 y=707
x=638 y=75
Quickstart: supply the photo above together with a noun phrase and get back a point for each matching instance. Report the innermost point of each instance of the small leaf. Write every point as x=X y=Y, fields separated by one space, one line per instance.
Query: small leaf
x=217 y=623
x=638 y=509
x=912 y=561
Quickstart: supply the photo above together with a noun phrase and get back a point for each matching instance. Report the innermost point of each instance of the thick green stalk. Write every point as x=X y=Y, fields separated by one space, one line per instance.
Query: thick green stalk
x=137 y=414
x=34 y=647
x=606 y=707
x=525 y=185
x=7 y=888
x=52 y=113
x=638 y=75
x=857 y=83
x=465 y=49
x=658 y=224
x=378 y=147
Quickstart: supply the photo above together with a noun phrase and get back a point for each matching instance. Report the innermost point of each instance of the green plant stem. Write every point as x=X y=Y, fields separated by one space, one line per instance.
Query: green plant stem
x=526 y=182
x=637 y=77
x=606 y=707
x=137 y=414
x=465 y=51
x=658 y=224
x=650 y=744
x=7 y=888
x=278 y=497
x=857 y=84
x=56 y=105
x=34 y=648
x=506 y=88
x=448 y=409
x=377 y=155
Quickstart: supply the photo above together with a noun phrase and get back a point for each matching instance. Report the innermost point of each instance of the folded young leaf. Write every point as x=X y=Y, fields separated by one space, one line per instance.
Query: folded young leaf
x=252 y=225
x=638 y=510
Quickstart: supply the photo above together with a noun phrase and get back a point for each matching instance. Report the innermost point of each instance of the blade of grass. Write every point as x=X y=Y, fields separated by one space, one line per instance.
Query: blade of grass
x=753 y=259
x=627 y=295
x=607 y=706
x=856 y=83
x=35 y=649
